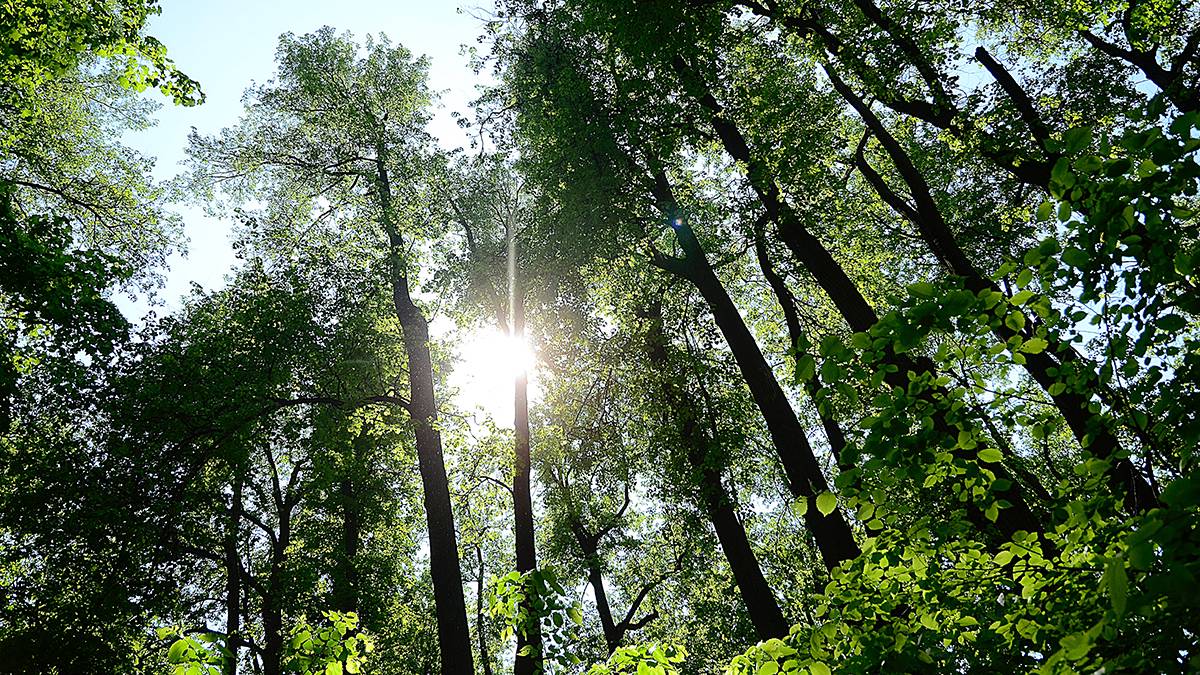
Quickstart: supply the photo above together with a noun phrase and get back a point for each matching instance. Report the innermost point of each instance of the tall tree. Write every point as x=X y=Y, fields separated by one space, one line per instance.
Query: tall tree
x=347 y=131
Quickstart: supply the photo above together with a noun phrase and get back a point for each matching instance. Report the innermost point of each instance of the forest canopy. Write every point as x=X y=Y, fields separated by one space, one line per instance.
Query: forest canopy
x=855 y=336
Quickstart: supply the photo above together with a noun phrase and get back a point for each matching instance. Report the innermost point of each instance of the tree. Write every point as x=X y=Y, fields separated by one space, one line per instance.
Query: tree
x=491 y=207
x=867 y=341
x=347 y=131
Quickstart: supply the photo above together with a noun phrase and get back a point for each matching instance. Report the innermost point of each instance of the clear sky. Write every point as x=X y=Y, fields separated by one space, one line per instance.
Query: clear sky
x=228 y=44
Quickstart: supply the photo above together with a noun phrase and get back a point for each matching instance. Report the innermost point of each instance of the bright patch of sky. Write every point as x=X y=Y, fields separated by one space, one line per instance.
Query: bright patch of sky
x=228 y=44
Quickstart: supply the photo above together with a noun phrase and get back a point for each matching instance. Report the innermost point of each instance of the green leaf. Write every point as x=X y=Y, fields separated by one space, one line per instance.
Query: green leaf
x=806 y=367
x=826 y=503
x=1015 y=320
x=1076 y=257
x=966 y=440
x=1171 y=323
x=1064 y=211
x=1117 y=582
x=991 y=455
x=819 y=668
x=1075 y=646
x=1061 y=173
x=575 y=615
x=1182 y=492
x=1141 y=555
x=922 y=289
x=1076 y=139
x=1044 y=210
x=334 y=668
x=1034 y=345
x=175 y=653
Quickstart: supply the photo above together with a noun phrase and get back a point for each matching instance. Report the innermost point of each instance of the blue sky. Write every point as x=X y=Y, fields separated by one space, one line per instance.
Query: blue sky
x=227 y=44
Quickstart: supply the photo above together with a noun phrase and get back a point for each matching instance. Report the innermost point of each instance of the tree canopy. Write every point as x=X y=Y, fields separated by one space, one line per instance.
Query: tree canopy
x=853 y=336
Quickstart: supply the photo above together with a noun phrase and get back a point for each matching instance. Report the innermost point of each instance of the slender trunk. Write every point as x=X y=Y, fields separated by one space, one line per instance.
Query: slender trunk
x=272 y=608
x=454 y=636
x=787 y=303
x=1015 y=461
x=345 y=583
x=805 y=478
x=346 y=589
x=839 y=287
x=591 y=560
x=480 y=620
x=233 y=578
x=526 y=552
x=760 y=602
x=272 y=621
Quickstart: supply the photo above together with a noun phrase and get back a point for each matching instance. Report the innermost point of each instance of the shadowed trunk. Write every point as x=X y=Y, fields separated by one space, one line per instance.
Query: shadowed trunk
x=591 y=560
x=272 y=609
x=346 y=590
x=526 y=552
x=787 y=303
x=233 y=578
x=480 y=619
x=760 y=601
x=804 y=476
x=832 y=278
x=454 y=637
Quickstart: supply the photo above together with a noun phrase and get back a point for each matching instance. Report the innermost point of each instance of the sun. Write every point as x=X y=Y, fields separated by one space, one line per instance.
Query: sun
x=489 y=363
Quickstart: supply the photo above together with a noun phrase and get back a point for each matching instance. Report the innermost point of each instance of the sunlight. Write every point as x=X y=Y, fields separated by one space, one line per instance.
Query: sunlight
x=489 y=361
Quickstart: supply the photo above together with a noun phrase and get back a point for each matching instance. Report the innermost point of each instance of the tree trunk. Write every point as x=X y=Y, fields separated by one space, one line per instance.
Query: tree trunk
x=345 y=582
x=454 y=638
x=805 y=478
x=760 y=601
x=526 y=552
x=787 y=303
x=454 y=635
x=272 y=609
x=480 y=620
x=345 y=590
x=591 y=560
x=233 y=577
x=837 y=284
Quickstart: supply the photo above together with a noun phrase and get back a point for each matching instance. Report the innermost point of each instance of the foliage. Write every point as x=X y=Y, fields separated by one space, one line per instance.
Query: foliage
x=642 y=659
x=533 y=601
x=1094 y=592
x=200 y=654
x=334 y=647
x=867 y=338
x=46 y=39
